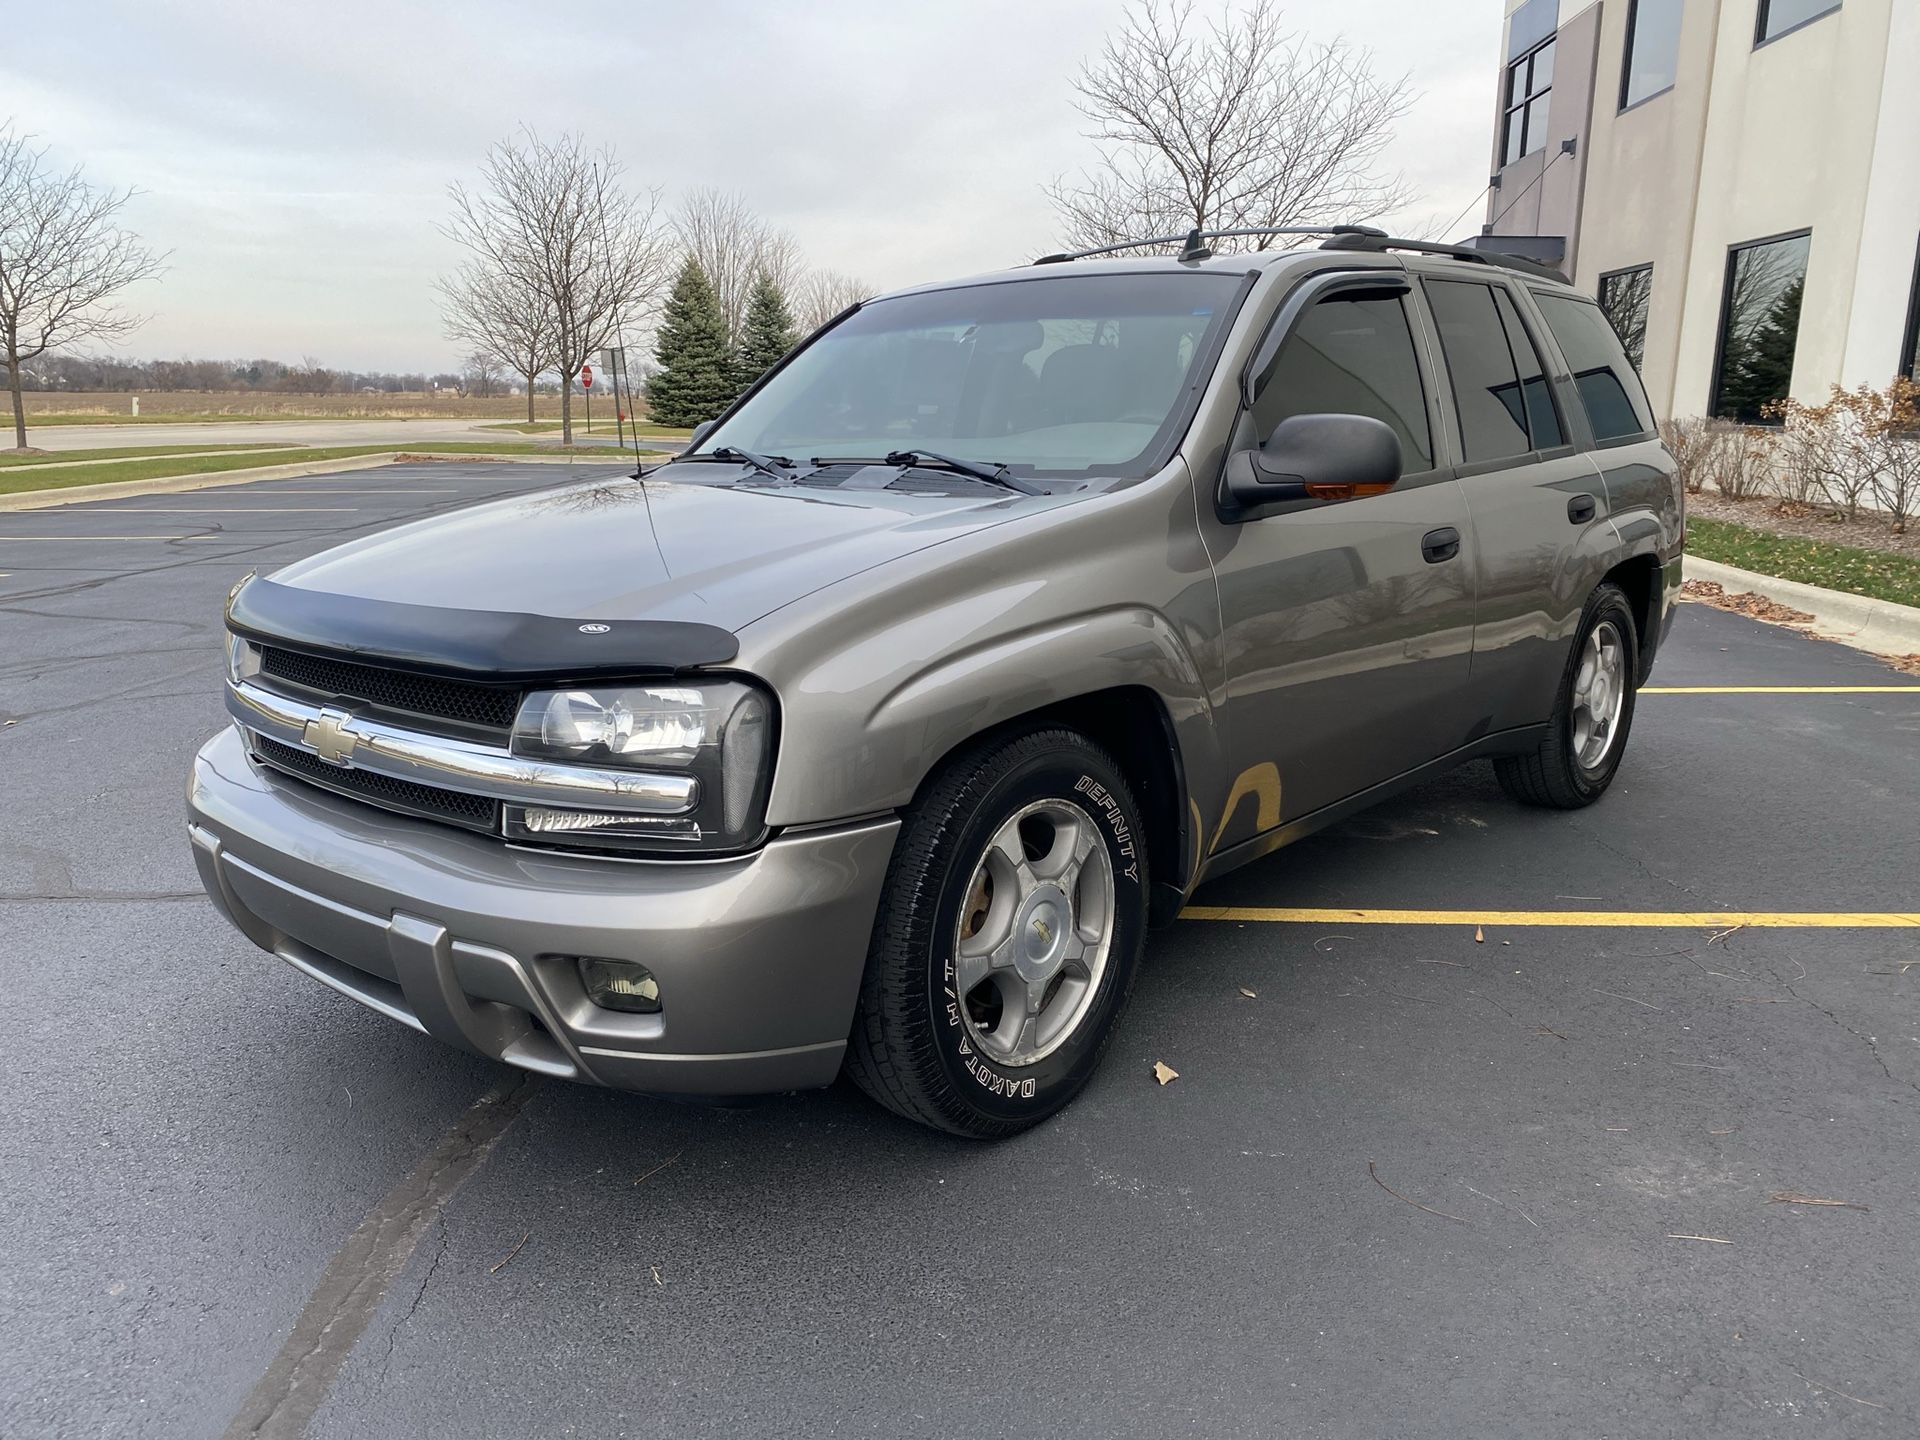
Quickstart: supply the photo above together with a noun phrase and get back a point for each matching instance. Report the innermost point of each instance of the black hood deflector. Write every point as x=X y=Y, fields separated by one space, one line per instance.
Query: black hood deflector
x=471 y=644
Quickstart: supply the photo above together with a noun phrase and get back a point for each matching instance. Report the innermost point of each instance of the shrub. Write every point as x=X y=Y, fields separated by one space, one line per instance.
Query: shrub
x=1688 y=439
x=1738 y=458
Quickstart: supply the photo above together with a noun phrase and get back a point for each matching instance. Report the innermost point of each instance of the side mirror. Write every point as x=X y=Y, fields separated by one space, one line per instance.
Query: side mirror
x=700 y=432
x=1316 y=457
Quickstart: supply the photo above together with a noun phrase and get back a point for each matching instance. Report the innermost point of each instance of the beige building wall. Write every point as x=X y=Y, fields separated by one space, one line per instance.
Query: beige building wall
x=1816 y=130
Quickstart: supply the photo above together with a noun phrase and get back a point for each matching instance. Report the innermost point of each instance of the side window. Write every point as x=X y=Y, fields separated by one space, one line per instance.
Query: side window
x=1543 y=421
x=1610 y=392
x=1486 y=381
x=1350 y=355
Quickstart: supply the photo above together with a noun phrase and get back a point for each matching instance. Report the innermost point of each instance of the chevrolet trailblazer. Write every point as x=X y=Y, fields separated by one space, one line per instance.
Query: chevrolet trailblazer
x=873 y=732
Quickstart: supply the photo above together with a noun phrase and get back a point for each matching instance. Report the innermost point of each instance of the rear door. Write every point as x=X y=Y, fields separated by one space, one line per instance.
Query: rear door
x=1539 y=510
x=1347 y=627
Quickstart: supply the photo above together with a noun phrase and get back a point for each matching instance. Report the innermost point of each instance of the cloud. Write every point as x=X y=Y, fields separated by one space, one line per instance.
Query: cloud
x=295 y=159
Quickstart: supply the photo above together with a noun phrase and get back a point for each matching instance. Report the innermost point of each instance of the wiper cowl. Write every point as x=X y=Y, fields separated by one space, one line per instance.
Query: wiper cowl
x=991 y=472
x=776 y=466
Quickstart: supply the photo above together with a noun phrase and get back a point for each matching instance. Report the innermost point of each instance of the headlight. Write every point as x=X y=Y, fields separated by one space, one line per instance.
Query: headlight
x=243 y=659
x=718 y=731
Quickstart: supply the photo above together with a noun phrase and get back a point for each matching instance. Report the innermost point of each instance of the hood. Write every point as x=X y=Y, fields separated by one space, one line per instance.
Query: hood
x=721 y=555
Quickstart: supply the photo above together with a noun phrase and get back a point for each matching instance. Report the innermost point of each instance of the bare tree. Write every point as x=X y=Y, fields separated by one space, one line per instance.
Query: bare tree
x=1230 y=124
x=554 y=220
x=500 y=317
x=63 y=259
x=480 y=374
x=734 y=246
x=822 y=295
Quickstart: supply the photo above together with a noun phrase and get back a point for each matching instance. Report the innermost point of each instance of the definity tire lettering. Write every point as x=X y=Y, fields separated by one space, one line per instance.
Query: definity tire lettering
x=1116 y=821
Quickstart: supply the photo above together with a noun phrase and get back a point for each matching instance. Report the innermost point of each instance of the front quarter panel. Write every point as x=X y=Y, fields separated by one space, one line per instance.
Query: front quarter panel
x=883 y=674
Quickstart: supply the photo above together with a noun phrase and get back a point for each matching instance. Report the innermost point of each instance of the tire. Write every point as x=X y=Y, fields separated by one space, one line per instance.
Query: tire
x=967 y=1061
x=1565 y=773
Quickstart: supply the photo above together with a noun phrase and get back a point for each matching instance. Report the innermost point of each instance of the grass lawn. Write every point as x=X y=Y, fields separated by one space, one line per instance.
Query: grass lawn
x=155 y=468
x=64 y=457
x=602 y=426
x=1812 y=562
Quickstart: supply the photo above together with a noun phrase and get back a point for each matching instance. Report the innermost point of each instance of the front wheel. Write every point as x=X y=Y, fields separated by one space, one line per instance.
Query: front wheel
x=1592 y=713
x=1007 y=939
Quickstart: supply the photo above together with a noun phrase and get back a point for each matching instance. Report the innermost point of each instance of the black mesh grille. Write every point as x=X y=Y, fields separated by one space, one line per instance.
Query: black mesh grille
x=474 y=811
x=490 y=706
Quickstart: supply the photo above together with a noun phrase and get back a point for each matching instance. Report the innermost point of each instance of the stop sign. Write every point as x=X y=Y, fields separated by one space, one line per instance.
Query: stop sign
x=586 y=376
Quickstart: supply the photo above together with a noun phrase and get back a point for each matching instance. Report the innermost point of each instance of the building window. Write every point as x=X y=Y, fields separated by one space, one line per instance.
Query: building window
x=1759 y=325
x=1529 y=92
x=1653 y=50
x=1777 y=17
x=1910 y=351
x=1626 y=296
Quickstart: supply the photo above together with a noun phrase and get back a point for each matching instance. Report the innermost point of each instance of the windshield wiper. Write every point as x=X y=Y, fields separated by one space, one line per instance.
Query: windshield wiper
x=990 y=471
x=777 y=466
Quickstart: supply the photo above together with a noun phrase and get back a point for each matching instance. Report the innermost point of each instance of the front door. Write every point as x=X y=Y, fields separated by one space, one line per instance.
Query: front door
x=1347 y=626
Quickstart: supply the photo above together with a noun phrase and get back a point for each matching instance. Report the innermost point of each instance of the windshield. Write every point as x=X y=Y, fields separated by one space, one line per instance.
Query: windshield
x=1065 y=375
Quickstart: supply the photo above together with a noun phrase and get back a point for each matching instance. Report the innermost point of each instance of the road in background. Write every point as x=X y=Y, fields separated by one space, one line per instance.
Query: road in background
x=1414 y=1183
x=397 y=432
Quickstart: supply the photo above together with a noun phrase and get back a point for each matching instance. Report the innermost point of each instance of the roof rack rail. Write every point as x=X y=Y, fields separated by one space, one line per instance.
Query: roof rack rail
x=1193 y=244
x=1376 y=243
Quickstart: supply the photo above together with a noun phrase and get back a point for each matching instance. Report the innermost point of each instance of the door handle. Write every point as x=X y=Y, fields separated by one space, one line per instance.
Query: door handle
x=1580 y=509
x=1439 y=545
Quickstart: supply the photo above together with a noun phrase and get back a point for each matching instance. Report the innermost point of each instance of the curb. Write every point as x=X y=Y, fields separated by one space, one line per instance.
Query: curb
x=212 y=479
x=1879 y=627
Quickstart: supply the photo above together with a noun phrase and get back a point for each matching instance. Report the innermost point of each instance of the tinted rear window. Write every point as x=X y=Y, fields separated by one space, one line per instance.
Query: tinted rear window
x=1486 y=383
x=1610 y=391
x=1543 y=420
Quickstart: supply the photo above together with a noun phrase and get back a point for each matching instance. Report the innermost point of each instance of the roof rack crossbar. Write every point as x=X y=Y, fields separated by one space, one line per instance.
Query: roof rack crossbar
x=1193 y=244
x=1376 y=244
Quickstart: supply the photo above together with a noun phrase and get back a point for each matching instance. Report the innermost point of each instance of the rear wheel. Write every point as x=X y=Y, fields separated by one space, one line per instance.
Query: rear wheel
x=1592 y=715
x=1005 y=947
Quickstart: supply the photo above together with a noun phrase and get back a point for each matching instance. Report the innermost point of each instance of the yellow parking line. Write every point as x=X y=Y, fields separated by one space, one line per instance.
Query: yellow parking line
x=1573 y=919
x=1776 y=689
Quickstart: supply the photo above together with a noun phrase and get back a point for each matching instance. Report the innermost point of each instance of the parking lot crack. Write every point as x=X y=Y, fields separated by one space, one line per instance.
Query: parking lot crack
x=1871 y=1042
x=356 y=1280
x=1637 y=862
x=433 y=1268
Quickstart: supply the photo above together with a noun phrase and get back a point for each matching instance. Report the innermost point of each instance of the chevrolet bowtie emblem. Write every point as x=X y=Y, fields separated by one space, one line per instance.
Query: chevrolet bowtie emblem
x=328 y=737
x=1046 y=934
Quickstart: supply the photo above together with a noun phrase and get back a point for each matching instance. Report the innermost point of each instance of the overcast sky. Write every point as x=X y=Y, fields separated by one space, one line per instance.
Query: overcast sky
x=295 y=158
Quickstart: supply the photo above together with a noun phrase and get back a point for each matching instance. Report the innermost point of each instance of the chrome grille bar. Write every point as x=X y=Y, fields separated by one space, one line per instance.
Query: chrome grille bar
x=351 y=741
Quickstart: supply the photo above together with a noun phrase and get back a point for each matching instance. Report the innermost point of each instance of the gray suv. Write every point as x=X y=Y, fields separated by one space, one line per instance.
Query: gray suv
x=875 y=731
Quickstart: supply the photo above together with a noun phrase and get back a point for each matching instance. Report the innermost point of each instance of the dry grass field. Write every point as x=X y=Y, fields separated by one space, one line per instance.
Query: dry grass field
x=108 y=407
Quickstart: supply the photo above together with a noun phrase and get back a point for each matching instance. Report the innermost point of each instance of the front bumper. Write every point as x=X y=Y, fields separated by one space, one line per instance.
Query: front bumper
x=472 y=941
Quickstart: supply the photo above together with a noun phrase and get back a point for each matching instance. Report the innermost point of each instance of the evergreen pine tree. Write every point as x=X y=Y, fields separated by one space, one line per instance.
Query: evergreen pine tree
x=768 y=335
x=695 y=380
x=1759 y=368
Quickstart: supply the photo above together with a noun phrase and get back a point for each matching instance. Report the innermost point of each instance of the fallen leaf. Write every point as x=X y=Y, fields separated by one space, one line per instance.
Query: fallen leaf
x=1248 y=993
x=1479 y=936
x=1164 y=1072
x=1794 y=1197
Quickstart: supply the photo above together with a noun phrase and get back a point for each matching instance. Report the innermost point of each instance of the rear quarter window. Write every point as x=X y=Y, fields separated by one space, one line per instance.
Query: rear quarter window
x=1610 y=392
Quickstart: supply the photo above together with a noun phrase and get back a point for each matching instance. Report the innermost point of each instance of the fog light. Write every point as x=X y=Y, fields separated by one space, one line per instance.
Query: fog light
x=620 y=985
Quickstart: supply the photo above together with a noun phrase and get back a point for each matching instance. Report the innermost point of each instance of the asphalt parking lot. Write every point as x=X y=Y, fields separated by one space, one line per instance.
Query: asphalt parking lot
x=1464 y=1162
